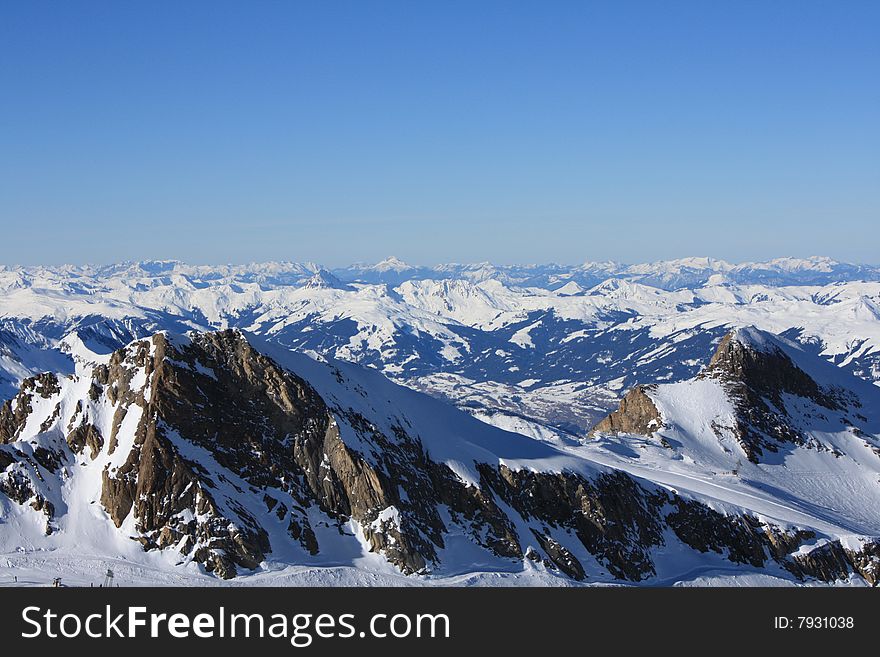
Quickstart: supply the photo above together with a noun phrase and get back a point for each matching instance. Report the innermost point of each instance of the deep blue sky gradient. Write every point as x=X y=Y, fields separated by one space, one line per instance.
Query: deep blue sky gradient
x=438 y=131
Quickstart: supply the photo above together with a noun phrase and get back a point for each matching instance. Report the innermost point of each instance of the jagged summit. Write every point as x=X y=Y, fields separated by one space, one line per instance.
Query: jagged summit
x=748 y=352
x=755 y=362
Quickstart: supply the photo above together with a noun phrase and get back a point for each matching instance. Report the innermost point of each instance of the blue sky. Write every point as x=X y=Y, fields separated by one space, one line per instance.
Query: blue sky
x=438 y=131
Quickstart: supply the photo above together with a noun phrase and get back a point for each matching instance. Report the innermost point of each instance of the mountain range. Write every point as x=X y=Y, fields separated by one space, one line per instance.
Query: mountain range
x=678 y=422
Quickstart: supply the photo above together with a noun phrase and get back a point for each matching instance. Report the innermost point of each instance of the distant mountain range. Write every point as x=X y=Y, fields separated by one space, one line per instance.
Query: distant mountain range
x=663 y=274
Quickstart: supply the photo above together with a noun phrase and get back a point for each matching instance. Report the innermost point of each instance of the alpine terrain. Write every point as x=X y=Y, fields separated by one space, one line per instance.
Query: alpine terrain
x=683 y=422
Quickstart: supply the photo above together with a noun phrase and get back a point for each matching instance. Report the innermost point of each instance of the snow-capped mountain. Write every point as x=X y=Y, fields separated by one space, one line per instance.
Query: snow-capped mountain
x=664 y=274
x=221 y=454
x=769 y=425
x=547 y=349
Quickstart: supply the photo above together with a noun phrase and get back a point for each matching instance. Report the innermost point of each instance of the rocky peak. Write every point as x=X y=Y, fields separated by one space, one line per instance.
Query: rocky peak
x=637 y=414
x=761 y=377
x=757 y=360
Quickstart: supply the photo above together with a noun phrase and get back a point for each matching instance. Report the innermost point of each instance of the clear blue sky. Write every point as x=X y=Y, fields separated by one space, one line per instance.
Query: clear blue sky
x=437 y=131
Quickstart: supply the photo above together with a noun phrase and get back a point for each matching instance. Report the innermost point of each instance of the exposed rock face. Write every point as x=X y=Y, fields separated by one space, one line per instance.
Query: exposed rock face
x=15 y=412
x=612 y=516
x=636 y=414
x=211 y=449
x=559 y=556
x=744 y=538
x=766 y=370
x=20 y=481
x=866 y=561
x=272 y=431
x=22 y=473
x=86 y=435
x=827 y=563
x=757 y=378
x=833 y=561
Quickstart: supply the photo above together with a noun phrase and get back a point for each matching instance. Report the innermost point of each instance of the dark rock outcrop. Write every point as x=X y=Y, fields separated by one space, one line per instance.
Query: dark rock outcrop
x=6 y=459
x=766 y=370
x=636 y=414
x=826 y=563
x=612 y=516
x=559 y=556
x=756 y=379
x=866 y=561
x=15 y=412
x=742 y=538
x=20 y=481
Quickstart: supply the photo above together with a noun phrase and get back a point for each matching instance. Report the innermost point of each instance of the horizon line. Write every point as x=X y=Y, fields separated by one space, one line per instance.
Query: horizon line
x=409 y=265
